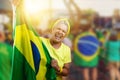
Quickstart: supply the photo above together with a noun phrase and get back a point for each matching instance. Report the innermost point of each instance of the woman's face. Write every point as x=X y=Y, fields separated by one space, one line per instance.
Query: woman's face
x=59 y=32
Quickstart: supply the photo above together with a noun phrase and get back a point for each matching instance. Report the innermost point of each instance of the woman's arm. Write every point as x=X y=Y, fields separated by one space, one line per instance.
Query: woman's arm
x=65 y=70
x=60 y=71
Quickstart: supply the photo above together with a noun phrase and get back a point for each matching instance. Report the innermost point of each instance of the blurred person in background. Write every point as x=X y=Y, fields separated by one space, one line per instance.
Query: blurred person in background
x=116 y=21
x=113 y=55
x=116 y=17
x=2 y=33
x=87 y=49
x=5 y=57
x=9 y=38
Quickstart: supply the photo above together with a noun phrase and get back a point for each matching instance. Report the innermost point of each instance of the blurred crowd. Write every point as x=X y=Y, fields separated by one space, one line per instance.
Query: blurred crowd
x=106 y=30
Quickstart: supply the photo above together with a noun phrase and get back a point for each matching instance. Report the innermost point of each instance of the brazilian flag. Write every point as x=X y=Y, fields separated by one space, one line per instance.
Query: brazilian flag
x=31 y=57
x=86 y=49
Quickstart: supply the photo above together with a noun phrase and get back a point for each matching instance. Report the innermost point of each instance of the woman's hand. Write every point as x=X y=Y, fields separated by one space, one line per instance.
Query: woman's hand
x=64 y=71
x=54 y=64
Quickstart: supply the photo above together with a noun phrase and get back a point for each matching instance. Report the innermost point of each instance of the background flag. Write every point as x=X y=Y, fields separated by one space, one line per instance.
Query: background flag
x=86 y=46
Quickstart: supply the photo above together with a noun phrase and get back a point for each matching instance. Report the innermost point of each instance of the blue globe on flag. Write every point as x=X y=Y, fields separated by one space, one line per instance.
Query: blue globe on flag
x=87 y=46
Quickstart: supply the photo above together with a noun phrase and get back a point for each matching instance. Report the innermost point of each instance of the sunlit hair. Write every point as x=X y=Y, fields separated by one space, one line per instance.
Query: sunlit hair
x=62 y=21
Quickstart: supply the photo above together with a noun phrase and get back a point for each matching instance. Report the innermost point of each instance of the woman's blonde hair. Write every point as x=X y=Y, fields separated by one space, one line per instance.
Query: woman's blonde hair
x=62 y=21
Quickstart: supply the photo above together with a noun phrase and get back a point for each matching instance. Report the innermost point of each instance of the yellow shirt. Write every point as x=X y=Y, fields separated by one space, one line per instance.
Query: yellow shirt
x=62 y=54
